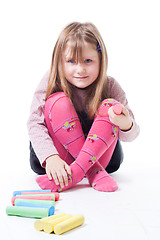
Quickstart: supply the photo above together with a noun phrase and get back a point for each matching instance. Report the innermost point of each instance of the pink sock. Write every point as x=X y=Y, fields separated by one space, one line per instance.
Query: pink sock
x=100 y=180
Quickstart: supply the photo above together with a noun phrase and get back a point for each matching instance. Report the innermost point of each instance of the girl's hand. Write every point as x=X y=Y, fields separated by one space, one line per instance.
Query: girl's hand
x=123 y=121
x=57 y=169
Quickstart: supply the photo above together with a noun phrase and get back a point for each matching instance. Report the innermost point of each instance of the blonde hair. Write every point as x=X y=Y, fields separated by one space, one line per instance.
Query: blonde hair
x=77 y=33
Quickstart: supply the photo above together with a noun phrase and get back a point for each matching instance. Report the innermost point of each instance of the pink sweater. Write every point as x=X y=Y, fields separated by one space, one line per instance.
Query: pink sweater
x=38 y=132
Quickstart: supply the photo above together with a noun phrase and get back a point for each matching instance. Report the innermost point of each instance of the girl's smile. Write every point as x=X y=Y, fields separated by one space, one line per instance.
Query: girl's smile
x=81 y=78
x=81 y=73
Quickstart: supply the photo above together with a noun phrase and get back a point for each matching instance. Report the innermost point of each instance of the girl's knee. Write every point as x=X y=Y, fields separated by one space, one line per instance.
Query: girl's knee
x=105 y=105
x=58 y=102
x=109 y=102
x=58 y=97
x=59 y=108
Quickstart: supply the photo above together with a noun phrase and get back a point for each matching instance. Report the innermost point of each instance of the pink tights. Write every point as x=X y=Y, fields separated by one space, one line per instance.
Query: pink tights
x=91 y=155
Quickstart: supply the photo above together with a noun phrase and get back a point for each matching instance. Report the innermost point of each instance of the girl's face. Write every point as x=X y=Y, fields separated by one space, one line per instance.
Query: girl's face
x=81 y=73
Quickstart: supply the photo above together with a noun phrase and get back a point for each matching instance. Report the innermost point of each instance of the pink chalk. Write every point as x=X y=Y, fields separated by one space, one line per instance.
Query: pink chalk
x=50 y=197
x=32 y=193
x=117 y=109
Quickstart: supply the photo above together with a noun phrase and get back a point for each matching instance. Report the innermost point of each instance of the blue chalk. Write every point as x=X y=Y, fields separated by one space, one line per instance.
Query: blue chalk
x=15 y=193
x=51 y=209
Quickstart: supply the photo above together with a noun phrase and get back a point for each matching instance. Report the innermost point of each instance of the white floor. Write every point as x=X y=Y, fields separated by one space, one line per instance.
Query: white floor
x=132 y=212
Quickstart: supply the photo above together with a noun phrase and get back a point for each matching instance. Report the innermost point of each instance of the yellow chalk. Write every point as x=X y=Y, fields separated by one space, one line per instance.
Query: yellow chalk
x=69 y=224
x=49 y=225
x=39 y=224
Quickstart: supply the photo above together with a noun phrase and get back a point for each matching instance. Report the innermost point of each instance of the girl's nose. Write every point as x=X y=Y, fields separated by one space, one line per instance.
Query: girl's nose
x=80 y=68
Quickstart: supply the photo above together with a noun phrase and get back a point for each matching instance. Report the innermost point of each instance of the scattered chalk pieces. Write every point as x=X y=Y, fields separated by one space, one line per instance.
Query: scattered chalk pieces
x=33 y=203
x=41 y=204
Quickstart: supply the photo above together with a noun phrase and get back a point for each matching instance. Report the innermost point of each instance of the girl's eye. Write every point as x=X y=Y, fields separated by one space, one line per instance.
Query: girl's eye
x=71 y=61
x=88 y=60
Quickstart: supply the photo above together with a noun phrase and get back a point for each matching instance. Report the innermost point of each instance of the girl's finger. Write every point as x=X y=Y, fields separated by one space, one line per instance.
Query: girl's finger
x=65 y=177
x=68 y=168
x=111 y=113
x=49 y=174
x=60 y=179
x=55 y=178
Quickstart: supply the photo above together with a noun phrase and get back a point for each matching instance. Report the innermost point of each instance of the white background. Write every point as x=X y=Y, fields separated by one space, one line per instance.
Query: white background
x=28 y=32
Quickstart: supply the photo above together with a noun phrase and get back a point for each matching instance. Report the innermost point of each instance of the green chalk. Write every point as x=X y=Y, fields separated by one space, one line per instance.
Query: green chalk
x=45 y=202
x=29 y=212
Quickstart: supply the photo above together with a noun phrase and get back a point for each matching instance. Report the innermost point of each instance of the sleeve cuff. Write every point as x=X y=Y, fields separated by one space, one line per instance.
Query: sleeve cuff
x=130 y=135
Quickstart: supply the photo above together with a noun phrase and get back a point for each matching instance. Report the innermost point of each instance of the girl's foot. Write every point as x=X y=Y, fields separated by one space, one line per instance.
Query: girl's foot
x=77 y=176
x=100 y=180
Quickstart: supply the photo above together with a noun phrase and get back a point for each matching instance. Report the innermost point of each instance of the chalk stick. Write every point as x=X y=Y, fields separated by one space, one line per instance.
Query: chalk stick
x=37 y=193
x=54 y=194
x=51 y=209
x=117 y=109
x=69 y=224
x=39 y=224
x=49 y=225
x=44 y=202
x=29 y=212
x=33 y=191
x=49 y=197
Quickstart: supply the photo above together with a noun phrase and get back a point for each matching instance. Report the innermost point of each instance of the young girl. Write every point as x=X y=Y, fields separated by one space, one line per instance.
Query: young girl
x=73 y=128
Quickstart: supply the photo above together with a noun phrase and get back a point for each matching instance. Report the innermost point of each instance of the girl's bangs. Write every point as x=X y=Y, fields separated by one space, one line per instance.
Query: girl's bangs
x=75 y=49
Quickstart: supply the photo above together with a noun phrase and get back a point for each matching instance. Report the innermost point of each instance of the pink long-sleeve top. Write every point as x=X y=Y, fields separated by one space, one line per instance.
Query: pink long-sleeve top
x=38 y=132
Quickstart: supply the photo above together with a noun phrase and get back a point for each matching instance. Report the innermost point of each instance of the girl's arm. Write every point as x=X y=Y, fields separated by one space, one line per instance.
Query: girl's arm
x=115 y=91
x=38 y=132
